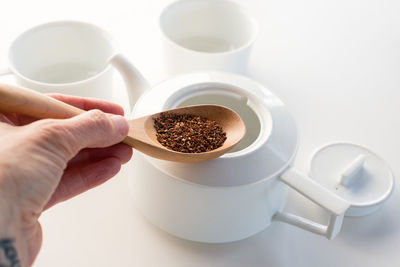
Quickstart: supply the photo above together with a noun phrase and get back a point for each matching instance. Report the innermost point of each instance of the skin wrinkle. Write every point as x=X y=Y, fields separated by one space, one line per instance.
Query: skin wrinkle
x=33 y=150
x=103 y=121
x=61 y=136
x=7 y=187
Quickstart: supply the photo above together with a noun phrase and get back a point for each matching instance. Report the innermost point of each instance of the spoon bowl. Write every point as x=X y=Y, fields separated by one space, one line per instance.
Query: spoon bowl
x=142 y=134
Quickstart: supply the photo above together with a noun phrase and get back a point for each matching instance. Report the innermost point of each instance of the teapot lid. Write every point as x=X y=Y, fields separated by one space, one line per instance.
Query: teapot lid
x=270 y=152
x=354 y=173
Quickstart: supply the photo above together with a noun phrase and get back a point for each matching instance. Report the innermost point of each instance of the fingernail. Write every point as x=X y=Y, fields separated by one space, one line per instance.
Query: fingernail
x=121 y=124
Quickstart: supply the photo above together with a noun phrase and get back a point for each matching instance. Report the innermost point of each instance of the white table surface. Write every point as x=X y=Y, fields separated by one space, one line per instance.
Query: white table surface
x=336 y=65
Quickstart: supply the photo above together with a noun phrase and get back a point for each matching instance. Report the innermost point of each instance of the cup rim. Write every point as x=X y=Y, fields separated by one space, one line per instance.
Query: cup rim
x=245 y=11
x=60 y=22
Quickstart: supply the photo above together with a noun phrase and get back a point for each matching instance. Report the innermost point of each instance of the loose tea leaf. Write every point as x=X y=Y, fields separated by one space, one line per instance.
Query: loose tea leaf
x=188 y=133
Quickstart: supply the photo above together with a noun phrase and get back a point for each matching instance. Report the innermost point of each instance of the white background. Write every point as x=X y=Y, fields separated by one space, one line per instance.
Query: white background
x=336 y=64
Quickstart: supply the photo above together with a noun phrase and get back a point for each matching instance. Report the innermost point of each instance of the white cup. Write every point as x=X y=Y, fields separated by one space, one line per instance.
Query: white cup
x=68 y=57
x=207 y=35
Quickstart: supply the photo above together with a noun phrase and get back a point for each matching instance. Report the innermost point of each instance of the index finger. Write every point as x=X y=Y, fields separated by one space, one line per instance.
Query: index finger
x=90 y=103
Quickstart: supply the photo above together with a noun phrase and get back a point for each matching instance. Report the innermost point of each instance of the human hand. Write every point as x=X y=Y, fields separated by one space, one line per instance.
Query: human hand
x=47 y=161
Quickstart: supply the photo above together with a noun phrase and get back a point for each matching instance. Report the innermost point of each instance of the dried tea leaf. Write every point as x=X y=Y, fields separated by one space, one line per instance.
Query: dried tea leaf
x=188 y=133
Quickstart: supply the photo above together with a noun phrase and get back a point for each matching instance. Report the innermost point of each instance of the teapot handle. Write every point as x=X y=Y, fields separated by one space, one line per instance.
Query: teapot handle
x=319 y=195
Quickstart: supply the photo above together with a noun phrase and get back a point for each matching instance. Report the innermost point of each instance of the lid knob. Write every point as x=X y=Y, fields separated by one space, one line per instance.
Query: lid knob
x=352 y=170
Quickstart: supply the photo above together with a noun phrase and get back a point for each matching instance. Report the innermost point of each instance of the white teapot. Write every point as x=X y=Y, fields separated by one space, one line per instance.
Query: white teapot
x=243 y=192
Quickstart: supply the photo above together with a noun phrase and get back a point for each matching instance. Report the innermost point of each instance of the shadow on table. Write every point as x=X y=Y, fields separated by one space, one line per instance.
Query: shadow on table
x=262 y=249
x=376 y=227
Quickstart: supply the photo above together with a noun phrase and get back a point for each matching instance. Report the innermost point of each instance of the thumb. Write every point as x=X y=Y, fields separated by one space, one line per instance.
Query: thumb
x=87 y=130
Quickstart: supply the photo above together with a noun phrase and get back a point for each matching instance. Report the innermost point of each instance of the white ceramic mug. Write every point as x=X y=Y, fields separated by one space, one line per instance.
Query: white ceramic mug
x=207 y=35
x=68 y=57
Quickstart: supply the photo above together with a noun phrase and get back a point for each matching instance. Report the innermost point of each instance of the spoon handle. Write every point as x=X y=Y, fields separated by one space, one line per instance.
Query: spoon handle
x=28 y=102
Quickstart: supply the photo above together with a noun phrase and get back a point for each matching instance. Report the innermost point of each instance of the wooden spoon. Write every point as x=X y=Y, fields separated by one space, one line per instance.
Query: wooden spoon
x=142 y=134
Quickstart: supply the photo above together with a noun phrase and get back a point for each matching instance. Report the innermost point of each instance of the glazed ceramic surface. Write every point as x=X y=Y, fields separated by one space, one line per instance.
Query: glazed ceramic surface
x=68 y=57
x=207 y=35
x=240 y=193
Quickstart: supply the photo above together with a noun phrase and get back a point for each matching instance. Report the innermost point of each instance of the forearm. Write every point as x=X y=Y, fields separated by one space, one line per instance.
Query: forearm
x=16 y=247
x=9 y=238
x=9 y=255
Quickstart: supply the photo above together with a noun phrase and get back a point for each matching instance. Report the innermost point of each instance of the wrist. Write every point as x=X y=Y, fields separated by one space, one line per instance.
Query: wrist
x=9 y=224
x=8 y=209
x=8 y=253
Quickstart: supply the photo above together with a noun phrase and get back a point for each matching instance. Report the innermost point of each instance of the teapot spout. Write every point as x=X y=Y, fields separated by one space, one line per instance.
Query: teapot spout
x=135 y=83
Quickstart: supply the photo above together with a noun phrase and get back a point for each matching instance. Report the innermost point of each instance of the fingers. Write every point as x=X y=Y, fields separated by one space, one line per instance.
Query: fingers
x=88 y=130
x=15 y=119
x=90 y=155
x=79 y=180
x=88 y=103
x=79 y=102
x=91 y=167
x=96 y=129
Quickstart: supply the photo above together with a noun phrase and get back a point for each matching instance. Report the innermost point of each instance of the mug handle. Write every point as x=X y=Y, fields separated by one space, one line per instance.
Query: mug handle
x=5 y=71
x=319 y=195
